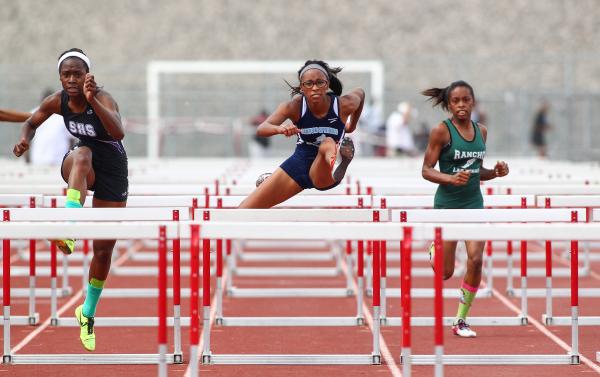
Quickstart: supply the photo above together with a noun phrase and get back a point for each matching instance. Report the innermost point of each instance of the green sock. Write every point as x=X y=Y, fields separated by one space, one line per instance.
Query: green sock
x=93 y=295
x=73 y=199
x=467 y=295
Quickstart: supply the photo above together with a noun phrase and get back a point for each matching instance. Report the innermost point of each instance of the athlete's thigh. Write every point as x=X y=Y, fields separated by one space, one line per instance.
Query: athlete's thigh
x=278 y=188
x=322 y=167
x=99 y=203
x=67 y=165
x=449 y=254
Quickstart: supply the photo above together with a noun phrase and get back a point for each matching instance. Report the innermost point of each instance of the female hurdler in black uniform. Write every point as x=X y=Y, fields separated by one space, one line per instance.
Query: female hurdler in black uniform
x=97 y=162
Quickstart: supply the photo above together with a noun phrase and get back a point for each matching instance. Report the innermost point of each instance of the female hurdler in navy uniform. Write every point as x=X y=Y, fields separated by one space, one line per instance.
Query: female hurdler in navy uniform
x=97 y=162
x=320 y=116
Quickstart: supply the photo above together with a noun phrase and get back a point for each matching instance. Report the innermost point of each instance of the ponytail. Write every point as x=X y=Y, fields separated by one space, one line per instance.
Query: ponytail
x=441 y=96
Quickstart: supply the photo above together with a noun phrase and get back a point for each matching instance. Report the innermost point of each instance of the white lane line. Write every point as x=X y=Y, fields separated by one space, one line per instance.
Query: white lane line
x=544 y=330
x=46 y=323
x=213 y=314
x=385 y=351
x=60 y=311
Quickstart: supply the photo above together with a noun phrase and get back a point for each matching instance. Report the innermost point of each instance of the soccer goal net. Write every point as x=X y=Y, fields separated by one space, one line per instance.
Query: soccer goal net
x=206 y=108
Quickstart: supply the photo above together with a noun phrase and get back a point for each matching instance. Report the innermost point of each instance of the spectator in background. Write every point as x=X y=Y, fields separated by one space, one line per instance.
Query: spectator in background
x=422 y=137
x=52 y=140
x=399 y=137
x=371 y=130
x=478 y=115
x=259 y=145
x=540 y=127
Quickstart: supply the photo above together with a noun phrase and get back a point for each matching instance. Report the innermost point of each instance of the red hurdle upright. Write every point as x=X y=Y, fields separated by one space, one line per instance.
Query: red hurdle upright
x=574 y=297
x=177 y=351
x=376 y=302
x=194 y=299
x=162 y=301
x=32 y=283
x=206 y=299
x=405 y=287
x=548 y=274
x=360 y=273
x=6 y=358
x=439 y=303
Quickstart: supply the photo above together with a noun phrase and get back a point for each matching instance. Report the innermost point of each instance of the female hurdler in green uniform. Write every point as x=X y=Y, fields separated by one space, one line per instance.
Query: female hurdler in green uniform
x=459 y=145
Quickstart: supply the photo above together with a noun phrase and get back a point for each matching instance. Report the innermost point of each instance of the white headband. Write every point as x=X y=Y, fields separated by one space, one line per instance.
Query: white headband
x=314 y=66
x=75 y=54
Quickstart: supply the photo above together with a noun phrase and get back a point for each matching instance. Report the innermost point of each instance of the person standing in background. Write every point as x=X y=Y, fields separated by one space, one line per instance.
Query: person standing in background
x=371 y=130
x=52 y=140
x=259 y=145
x=540 y=127
x=399 y=137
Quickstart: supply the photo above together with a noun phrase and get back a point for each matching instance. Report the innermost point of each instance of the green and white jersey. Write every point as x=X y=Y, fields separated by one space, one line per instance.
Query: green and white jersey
x=460 y=154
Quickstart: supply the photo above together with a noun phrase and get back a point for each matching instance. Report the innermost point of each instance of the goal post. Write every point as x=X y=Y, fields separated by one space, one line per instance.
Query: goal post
x=157 y=68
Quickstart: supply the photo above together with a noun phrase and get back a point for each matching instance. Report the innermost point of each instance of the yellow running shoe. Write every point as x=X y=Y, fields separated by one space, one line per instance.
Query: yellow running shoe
x=66 y=246
x=86 y=329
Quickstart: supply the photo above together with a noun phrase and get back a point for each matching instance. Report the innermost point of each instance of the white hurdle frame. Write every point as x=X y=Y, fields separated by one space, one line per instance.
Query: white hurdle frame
x=548 y=317
x=31 y=201
x=296 y=215
x=255 y=230
x=489 y=216
x=394 y=232
x=426 y=201
x=89 y=230
x=297 y=202
x=18 y=215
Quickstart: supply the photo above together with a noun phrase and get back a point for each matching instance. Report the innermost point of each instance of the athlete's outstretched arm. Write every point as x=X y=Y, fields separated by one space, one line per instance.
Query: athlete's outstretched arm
x=7 y=115
x=352 y=104
x=50 y=105
x=499 y=170
x=274 y=125
x=105 y=107
x=437 y=139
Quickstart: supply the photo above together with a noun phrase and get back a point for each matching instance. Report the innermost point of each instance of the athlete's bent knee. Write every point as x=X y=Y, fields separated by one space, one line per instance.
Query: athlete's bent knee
x=103 y=254
x=475 y=261
x=448 y=274
x=82 y=161
x=326 y=146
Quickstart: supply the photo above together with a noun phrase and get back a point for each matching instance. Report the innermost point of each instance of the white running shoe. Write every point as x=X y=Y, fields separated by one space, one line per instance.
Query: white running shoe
x=463 y=330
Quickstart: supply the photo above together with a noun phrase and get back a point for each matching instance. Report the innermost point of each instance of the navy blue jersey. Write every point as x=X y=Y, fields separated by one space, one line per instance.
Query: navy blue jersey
x=86 y=126
x=314 y=130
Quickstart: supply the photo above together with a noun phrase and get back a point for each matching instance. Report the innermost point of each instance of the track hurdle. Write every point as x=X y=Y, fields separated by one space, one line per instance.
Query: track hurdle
x=139 y=204
x=37 y=189
x=280 y=231
x=296 y=215
x=504 y=232
x=100 y=215
x=426 y=201
x=548 y=317
x=492 y=217
x=297 y=202
x=90 y=230
x=32 y=317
